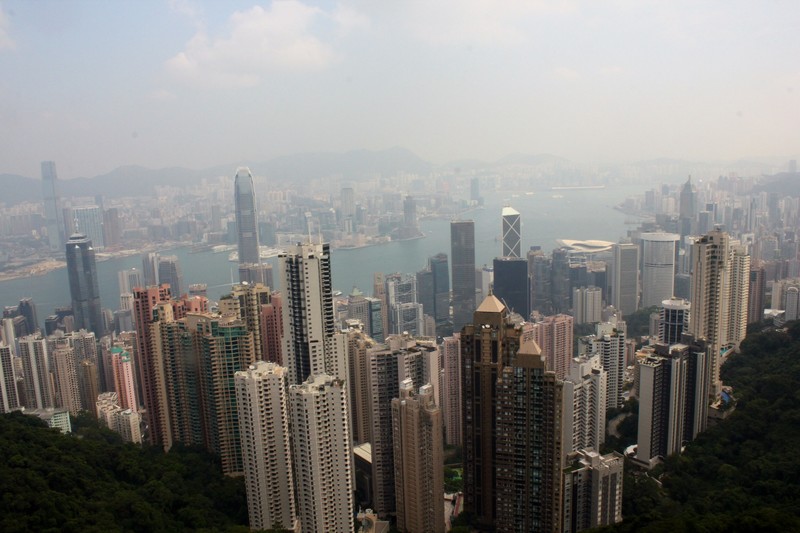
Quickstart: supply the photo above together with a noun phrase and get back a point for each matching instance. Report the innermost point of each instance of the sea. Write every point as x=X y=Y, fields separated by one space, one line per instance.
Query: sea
x=546 y=216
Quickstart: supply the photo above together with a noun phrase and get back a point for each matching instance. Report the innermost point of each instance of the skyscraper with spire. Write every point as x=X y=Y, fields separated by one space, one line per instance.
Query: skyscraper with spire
x=246 y=216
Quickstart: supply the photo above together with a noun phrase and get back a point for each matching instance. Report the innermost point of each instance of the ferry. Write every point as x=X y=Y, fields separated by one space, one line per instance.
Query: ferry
x=264 y=252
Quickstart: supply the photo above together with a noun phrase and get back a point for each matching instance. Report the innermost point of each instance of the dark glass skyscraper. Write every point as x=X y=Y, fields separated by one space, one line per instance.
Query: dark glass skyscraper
x=246 y=216
x=462 y=251
x=83 y=286
x=511 y=284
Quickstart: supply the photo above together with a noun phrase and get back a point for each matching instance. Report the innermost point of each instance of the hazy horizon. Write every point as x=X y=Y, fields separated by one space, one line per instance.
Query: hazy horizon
x=94 y=86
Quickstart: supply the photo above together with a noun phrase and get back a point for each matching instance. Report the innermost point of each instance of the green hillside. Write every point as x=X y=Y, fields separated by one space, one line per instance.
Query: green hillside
x=92 y=481
x=744 y=474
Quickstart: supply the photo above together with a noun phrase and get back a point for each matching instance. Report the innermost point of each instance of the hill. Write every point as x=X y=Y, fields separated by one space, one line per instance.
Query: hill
x=740 y=475
x=92 y=481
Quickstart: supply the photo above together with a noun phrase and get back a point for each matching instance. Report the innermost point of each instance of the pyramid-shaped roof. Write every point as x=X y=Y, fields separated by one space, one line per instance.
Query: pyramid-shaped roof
x=491 y=304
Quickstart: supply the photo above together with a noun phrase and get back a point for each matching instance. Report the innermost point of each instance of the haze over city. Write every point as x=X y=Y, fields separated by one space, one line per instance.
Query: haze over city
x=98 y=85
x=418 y=267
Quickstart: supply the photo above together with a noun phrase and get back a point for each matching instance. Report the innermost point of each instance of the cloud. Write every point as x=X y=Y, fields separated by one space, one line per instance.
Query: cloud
x=566 y=73
x=260 y=40
x=486 y=22
x=6 y=42
x=161 y=95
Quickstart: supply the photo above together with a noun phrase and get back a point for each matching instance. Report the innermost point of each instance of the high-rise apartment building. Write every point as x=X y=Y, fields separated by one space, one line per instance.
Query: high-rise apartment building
x=512 y=416
x=512 y=233
x=592 y=490
x=719 y=296
x=418 y=460
x=553 y=335
x=584 y=409
x=312 y=344
x=246 y=216
x=64 y=375
x=150 y=371
x=246 y=301
x=9 y=399
x=625 y=279
x=451 y=389
x=757 y=294
x=124 y=378
x=83 y=284
x=263 y=407
x=225 y=346
x=322 y=455
x=52 y=211
x=126 y=422
x=36 y=370
x=387 y=365
x=462 y=253
x=673 y=398
x=658 y=267
x=587 y=305
x=608 y=344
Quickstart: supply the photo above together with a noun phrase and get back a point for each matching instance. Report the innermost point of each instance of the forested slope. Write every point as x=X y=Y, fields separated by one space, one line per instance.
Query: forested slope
x=743 y=474
x=92 y=481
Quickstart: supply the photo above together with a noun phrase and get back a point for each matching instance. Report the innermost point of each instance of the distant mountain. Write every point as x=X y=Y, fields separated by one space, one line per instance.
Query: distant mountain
x=785 y=184
x=133 y=180
x=15 y=189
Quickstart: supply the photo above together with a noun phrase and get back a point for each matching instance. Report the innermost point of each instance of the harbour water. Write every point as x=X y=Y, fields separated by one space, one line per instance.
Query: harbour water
x=546 y=216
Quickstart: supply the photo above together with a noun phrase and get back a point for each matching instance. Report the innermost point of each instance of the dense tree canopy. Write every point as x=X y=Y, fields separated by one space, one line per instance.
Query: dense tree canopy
x=741 y=475
x=92 y=481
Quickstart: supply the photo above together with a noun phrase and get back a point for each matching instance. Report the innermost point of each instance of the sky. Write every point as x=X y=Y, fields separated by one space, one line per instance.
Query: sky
x=96 y=85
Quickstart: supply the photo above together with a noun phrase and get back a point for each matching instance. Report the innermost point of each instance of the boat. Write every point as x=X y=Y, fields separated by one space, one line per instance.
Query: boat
x=264 y=252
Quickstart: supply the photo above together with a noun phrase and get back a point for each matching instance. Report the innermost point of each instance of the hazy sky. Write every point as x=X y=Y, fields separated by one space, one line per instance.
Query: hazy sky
x=95 y=85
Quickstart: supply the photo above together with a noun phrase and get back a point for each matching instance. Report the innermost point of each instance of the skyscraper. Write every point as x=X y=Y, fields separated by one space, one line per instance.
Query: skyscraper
x=129 y=279
x=451 y=389
x=246 y=216
x=673 y=398
x=38 y=385
x=584 y=408
x=688 y=208
x=323 y=456
x=88 y=220
x=418 y=460
x=625 y=284
x=511 y=284
x=312 y=344
x=720 y=281
x=462 y=252
x=673 y=320
x=149 y=367
x=658 y=267
x=83 y=284
x=52 y=213
x=9 y=398
x=512 y=417
x=387 y=365
x=225 y=346
x=758 y=289
x=263 y=406
x=170 y=272
x=512 y=232
x=124 y=378
x=553 y=335
x=592 y=491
